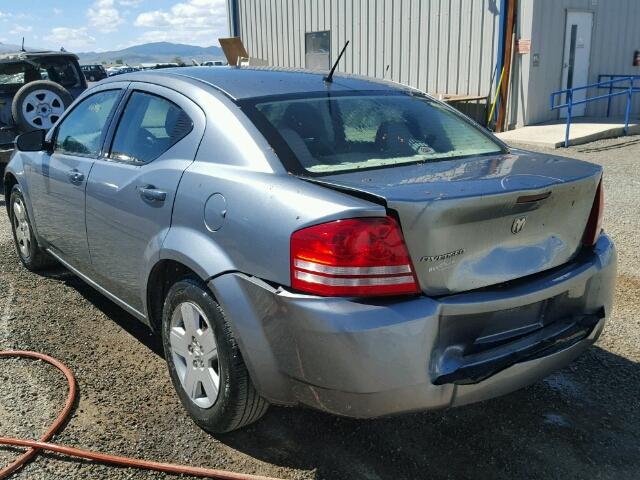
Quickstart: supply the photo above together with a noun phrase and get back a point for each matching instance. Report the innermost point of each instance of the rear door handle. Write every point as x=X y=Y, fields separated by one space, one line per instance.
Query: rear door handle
x=75 y=176
x=152 y=194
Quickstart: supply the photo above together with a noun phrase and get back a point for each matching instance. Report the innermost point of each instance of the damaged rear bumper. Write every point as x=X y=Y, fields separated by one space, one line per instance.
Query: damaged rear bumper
x=368 y=358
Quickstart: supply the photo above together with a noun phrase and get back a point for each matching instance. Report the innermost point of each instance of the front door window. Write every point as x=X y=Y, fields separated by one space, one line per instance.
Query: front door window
x=82 y=131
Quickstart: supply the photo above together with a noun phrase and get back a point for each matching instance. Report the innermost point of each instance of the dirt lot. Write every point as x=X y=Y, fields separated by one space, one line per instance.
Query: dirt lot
x=582 y=422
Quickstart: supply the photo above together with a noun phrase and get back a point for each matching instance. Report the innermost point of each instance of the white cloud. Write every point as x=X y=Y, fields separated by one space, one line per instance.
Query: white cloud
x=203 y=38
x=130 y=3
x=72 y=39
x=104 y=16
x=199 y=22
x=57 y=11
x=18 y=29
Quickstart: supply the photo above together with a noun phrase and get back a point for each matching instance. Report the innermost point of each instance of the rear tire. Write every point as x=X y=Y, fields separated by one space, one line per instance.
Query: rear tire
x=204 y=361
x=31 y=255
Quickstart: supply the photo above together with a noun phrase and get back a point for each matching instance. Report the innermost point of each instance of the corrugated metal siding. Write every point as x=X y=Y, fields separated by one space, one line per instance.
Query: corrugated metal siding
x=615 y=37
x=439 y=46
x=517 y=106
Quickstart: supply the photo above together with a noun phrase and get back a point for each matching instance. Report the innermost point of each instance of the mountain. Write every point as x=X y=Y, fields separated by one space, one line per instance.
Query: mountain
x=9 y=48
x=153 y=52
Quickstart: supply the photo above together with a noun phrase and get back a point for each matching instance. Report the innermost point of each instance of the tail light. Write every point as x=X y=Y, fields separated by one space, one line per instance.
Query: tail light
x=352 y=257
x=594 y=225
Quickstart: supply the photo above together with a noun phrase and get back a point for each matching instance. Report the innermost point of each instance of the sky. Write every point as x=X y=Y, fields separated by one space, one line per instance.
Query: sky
x=102 y=25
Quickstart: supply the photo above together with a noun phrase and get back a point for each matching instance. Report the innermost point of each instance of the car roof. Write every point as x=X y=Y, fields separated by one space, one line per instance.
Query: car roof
x=21 y=56
x=240 y=83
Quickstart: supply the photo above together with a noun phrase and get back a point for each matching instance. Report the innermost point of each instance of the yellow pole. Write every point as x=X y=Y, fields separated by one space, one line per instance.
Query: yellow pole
x=495 y=98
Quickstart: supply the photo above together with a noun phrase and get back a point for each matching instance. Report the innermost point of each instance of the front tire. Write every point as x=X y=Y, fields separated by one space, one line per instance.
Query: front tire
x=30 y=253
x=204 y=361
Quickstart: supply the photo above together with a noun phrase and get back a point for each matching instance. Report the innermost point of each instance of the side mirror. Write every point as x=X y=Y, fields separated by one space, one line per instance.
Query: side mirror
x=31 y=141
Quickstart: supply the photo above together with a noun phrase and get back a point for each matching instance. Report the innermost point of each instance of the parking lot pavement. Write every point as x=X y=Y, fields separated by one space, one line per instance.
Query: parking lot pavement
x=581 y=422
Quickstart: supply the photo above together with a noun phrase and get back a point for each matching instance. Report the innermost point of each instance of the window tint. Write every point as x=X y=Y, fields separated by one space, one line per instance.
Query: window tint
x=150 y=126
x=59 y=70
x=62 y=71
x=81 y=131
x=342 y=133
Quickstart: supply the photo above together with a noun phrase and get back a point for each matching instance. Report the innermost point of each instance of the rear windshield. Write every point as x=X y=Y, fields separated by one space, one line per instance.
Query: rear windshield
x=59 y=70
x=338 y=133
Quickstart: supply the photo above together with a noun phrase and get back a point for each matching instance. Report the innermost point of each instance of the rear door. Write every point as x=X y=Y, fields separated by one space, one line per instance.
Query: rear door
x=57 y=179
x=130 y=192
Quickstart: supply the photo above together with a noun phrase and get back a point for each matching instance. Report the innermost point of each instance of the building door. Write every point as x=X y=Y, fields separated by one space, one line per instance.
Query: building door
x=577 y=51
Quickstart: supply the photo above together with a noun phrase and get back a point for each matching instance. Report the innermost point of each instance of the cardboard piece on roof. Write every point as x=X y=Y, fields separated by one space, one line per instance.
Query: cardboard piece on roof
x=233 y=49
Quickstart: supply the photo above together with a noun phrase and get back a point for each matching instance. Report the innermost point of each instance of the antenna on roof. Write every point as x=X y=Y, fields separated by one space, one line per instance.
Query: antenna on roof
x=329 y=78
x=22 y=48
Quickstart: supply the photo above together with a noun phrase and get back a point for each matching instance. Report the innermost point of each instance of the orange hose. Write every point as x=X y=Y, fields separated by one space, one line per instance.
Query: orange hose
x=34 y=447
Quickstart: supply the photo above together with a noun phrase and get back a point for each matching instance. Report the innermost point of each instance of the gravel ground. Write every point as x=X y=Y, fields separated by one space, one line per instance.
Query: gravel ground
x=581 y=422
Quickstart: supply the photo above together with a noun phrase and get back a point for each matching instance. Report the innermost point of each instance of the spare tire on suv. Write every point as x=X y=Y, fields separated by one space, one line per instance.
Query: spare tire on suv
x=39 y=104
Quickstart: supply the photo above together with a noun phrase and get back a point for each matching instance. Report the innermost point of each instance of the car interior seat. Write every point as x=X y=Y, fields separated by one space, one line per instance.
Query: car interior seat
x=392 y=139
x=31 y=75
x=306 y=121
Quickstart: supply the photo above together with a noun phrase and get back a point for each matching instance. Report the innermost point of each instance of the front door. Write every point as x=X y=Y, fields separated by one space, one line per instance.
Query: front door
x=57 y=179
x=577 y=51
x=130 y=192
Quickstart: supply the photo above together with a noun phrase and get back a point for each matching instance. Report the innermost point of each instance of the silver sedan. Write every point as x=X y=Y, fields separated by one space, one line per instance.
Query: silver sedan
x=354 y=246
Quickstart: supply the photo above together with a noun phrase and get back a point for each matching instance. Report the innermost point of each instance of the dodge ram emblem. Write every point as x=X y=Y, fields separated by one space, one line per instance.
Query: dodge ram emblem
x=518 y=225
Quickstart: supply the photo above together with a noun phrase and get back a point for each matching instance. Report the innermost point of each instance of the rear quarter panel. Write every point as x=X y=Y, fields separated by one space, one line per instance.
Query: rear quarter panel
x=232 y=219
x=250 y=203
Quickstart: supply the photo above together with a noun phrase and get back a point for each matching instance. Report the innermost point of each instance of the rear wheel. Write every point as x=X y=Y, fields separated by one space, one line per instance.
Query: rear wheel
x=30 y=253
x=204 y=361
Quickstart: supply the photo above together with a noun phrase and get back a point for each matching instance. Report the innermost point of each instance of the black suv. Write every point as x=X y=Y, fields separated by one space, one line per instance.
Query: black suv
x=94 y=73
x=35 y=88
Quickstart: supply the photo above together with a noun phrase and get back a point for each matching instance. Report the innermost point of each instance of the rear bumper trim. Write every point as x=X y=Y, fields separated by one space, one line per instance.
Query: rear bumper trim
x=474 y=368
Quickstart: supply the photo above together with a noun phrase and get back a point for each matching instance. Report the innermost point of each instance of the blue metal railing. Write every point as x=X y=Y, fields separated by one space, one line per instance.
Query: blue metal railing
x=611 y=88
x=617 y=85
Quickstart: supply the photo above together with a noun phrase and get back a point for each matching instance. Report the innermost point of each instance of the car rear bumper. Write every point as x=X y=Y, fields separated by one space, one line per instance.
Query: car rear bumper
x=366 y=358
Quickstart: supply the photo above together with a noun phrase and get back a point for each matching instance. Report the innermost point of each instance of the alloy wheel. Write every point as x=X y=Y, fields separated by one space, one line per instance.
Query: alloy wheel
x=22 y=228
x=42 y=108
x=194 y=351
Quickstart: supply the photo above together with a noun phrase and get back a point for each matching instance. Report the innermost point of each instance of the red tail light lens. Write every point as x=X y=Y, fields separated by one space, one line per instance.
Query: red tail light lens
x=594 y=225
x=352 y=257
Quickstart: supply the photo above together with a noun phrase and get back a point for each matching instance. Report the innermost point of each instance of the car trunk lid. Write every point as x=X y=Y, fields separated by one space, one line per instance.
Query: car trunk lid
x=481 y=221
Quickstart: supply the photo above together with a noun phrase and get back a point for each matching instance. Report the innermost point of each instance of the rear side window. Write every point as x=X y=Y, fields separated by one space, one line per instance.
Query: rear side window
x=339 y=133
x=12 y=74
x=81 y=132
x=150 y=125
x=62 y=71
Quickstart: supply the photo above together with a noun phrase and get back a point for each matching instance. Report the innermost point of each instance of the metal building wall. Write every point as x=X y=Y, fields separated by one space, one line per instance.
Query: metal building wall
x=439 y=46
x=614 y=38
